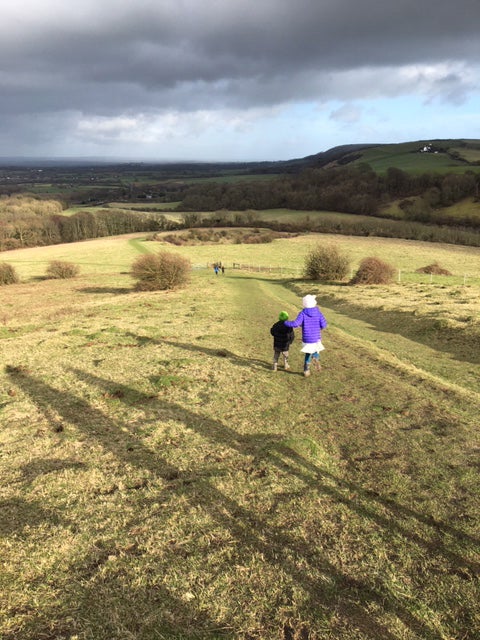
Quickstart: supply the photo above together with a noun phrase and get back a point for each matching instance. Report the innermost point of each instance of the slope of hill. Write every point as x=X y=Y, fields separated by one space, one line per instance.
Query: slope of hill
x=160 y=481
x=421 y=156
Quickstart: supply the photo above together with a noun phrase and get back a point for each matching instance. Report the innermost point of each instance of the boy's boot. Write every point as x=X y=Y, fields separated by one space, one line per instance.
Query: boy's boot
x=287 y=366
x=274 y=366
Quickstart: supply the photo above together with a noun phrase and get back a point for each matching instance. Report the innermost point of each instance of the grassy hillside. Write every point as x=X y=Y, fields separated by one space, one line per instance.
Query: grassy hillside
x=159 y=481
x=447 y=156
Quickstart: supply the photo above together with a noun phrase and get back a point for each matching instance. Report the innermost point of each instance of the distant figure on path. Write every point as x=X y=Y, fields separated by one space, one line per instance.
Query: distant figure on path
x=312 y=321
x=215 y=268
x=223 y=270
x=282 y=339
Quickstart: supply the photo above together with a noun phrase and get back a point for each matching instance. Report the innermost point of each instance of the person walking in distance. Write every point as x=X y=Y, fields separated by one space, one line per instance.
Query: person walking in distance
x=282 y=339
x=312 y=321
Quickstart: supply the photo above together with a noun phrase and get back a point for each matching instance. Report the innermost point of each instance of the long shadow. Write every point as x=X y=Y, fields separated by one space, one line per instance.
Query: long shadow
x=240 y=361
x=268 y=447
x=112 y=290
x=100 y=596
x=18 y=514
x=254 y=533
x=424 y=330
x=32 y=470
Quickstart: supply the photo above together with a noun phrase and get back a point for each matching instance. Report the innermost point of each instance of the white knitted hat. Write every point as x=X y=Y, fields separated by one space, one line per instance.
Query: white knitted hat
x=309 y=301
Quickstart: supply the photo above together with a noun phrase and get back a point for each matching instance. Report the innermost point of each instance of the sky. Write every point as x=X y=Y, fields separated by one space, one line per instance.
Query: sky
x=234 y=80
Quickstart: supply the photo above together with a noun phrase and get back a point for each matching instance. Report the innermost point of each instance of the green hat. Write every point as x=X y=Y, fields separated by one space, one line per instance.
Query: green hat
x=283 y=315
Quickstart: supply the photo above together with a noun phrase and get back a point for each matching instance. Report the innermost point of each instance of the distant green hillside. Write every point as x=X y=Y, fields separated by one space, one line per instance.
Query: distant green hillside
x=421 y=156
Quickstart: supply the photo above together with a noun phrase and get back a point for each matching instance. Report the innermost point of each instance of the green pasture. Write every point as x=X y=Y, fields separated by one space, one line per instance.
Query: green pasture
x=143 y=206
x=109 y=254
x=471 y=154
x=407 y=157
x=160 y=481
x=462 y=209
x=234 y=177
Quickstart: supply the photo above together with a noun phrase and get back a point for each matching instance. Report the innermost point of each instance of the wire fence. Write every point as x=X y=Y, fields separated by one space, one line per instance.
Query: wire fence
x=403 y=276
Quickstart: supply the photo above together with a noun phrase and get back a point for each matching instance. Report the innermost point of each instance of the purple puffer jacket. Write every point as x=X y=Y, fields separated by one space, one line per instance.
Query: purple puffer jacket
x=311 y=321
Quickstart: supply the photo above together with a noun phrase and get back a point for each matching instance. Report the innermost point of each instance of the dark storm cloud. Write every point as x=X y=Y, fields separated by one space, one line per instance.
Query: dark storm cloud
x=115 y=57
x=157 y=46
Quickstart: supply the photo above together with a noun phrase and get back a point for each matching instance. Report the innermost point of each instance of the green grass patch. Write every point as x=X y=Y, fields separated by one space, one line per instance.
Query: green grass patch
x=159 y=480
x=407 y=157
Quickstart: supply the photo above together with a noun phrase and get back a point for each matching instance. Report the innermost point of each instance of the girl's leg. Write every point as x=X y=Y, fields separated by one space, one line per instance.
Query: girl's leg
x=316 y=361
x=306 y=364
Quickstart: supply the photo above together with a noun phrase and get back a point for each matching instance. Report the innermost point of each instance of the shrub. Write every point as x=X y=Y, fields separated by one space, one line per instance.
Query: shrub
x=374 y=271
x=157 y=272
x=326 y=263
x=435 y=269
x=8 y=275
x=62 y=270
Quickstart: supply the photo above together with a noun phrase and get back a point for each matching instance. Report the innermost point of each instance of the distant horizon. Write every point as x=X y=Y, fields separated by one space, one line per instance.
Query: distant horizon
x=58 y=160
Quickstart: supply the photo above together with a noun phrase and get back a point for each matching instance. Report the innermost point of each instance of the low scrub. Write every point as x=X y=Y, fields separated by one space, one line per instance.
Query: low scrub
x=161 y=271
x=326 y=263
x=62 y=270
x=374 y=271
x=198 y=236
x=434 y=269
x=8 y=275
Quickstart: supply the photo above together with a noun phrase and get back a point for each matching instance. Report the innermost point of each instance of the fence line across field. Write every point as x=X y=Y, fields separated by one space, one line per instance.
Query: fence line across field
x=403 y=276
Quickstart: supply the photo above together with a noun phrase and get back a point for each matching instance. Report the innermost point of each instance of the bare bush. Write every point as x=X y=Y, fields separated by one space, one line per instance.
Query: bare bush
x=8 y=274
x=326 y=263
x=434 y=269
x=374 y=271
x=62 y=270
x=161 y=271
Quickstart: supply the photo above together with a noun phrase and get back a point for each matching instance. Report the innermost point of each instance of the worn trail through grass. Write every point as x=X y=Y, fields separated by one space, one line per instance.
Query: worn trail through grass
x=160 y=481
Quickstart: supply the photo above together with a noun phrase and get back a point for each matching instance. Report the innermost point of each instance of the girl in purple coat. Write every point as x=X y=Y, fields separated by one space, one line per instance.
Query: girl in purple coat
x=312 y=321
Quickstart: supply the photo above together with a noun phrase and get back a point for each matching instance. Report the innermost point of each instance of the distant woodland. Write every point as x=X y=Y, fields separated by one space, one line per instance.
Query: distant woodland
x=30 y=222
x=356 y=189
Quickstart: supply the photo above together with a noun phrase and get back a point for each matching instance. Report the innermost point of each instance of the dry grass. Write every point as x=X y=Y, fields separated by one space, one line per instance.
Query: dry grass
x=159 y=481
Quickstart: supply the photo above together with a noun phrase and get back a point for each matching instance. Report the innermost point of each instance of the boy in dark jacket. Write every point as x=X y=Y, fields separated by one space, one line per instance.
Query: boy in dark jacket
x=282 y=339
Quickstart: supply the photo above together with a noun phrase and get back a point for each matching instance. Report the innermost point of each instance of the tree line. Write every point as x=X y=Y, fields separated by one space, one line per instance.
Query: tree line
x=356 y=189
x=28 y=222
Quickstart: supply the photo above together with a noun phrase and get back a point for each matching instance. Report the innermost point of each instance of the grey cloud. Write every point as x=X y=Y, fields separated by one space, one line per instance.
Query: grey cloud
x=109 y=57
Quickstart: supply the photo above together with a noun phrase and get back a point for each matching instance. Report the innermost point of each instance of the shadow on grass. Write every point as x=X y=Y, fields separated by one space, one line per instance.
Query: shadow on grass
x=96 y=604
x=36 y=468
x=251 y=363
x=427 y=330
x=18 y=515
x=113 y=290
x=254 y=533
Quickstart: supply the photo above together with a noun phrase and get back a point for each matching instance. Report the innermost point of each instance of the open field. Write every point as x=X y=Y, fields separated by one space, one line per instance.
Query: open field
x=110 y=254
x=159 y=481
x=407 y=157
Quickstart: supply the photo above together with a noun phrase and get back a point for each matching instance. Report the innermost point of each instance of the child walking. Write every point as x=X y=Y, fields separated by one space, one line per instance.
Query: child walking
x=312 y=321
x=282 y=339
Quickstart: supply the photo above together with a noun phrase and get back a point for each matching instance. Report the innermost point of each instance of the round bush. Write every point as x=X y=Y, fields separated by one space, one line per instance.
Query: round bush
x=8 y=275
x=62 y=270
x=326 y=263
x=374 y=271
x=434 y=269
x=157 y=272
